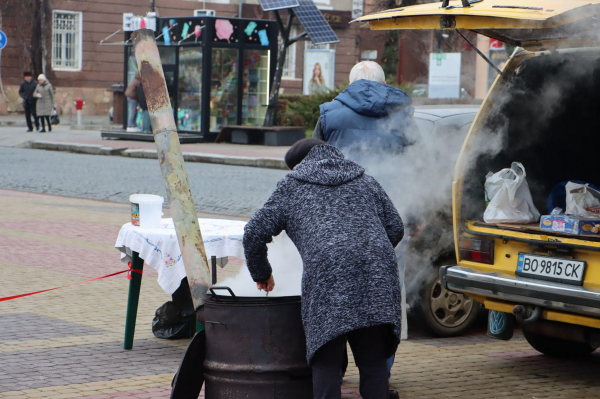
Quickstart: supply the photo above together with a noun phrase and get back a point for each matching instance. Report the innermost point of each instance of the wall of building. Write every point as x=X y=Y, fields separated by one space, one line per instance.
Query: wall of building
x=102 y=65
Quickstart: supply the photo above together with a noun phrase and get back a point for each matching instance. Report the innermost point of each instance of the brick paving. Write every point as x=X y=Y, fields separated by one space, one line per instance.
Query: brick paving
x=20 y=327
x=68 y=343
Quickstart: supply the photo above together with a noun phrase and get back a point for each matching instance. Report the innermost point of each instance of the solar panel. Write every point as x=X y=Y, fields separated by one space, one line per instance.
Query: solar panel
x=271 y=5
x=314 y=23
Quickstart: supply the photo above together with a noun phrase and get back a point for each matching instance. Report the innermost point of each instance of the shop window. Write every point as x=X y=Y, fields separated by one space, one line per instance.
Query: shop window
x=255 y=87
x=289 y=67
x=66 y=40
x=189 y=111
x=223 y=88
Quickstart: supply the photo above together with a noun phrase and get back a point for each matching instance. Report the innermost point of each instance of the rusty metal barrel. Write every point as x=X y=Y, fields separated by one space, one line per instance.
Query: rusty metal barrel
x=255 y=349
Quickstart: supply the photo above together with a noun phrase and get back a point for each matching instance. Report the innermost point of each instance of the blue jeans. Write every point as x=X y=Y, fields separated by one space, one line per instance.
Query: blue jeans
x=131 y=112
x=390 y=363
x=146 y=126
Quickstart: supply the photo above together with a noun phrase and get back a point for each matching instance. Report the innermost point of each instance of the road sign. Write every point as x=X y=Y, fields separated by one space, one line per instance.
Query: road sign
x=3 y=40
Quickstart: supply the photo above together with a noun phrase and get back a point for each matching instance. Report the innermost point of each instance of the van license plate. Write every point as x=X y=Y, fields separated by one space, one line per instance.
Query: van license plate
x=561 y=270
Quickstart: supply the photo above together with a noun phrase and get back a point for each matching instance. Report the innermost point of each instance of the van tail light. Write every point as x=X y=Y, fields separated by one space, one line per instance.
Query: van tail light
x=476 y=250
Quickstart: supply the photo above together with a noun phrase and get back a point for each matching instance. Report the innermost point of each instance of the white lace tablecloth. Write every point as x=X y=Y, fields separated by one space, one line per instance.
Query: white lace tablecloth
x=159 y=248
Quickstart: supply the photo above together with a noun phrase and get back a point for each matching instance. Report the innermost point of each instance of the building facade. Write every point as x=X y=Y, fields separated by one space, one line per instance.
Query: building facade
x=63 y=39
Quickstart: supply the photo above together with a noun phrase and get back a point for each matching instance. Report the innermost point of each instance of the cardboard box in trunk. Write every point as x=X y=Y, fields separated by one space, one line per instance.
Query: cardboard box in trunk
x=571 y=224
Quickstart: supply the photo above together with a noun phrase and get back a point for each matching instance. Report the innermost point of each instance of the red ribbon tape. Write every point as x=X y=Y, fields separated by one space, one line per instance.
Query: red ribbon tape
x=132 y=270
x=128 y=271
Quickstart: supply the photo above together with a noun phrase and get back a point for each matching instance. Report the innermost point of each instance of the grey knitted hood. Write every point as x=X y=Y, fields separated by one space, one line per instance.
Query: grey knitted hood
x=325 y=165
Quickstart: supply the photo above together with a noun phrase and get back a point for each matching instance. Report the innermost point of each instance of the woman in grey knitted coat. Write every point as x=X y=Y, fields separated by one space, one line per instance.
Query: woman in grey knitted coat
x=345 y=228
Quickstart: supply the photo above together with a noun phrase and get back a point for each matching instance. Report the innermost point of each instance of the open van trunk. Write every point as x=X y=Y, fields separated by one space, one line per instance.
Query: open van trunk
x=548 y=118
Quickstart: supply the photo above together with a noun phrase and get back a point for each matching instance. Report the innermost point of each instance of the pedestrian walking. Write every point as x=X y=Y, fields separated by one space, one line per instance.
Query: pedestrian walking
x=45 y=101
x=132 y=101
x=369 y=118
x=141 y=98
x=345 y=228
x=26 y=91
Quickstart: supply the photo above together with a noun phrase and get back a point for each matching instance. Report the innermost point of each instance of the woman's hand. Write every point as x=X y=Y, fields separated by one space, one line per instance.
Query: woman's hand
x=266 y=285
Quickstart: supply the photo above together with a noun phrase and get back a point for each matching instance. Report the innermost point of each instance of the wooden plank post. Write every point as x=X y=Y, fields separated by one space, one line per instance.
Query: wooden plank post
x=172 y=166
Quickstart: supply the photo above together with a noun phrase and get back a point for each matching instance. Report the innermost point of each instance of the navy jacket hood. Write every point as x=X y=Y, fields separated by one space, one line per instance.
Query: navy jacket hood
x=373 y=99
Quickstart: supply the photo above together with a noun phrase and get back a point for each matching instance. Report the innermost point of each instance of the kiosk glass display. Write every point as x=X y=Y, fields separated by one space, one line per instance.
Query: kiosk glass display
x=189 y=104
x=224 y=88
x=218 y=71
x=255 y=96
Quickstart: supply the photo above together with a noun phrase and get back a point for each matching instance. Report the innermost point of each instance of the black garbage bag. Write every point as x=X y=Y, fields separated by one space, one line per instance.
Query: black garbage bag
x=171 y=322
x=175 y=319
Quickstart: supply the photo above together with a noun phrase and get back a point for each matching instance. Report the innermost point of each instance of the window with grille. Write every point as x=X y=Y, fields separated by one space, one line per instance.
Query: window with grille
x=289 y=67
x=66 y=40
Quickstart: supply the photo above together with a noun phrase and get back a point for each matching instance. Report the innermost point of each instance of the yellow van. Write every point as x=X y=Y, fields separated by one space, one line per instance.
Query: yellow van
x=544 y=112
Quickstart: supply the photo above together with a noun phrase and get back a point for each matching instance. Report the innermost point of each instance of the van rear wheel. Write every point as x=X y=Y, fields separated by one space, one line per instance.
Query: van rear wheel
x=444 y=313
x=557 y=347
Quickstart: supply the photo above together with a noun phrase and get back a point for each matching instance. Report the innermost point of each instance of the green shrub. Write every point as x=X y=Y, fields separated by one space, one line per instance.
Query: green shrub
x=308 y=106
x=301 y=110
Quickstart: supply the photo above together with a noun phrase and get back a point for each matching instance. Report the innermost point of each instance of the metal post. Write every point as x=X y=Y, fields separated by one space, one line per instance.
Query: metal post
x=135 y=284
x=274 y=95
x=79 y=117
x=171 y=164
x=213 y=263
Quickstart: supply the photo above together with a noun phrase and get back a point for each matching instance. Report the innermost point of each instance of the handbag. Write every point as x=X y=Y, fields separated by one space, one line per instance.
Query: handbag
x=54 y=119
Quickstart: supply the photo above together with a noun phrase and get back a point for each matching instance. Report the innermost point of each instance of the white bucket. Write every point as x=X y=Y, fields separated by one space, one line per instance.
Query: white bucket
x=146 y=210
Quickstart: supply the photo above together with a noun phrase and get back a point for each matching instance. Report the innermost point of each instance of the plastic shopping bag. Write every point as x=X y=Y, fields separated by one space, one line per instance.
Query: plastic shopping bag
x=582 y=200
x=509 y=197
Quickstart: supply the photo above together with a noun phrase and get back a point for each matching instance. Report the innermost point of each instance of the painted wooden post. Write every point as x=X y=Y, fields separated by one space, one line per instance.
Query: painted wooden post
x=172 y=166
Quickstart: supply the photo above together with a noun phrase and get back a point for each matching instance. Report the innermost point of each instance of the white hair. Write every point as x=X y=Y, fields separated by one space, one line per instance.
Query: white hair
x=367 y=70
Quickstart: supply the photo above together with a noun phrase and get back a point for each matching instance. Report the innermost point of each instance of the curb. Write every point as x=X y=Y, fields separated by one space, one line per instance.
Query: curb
x=76 y=148
x=91 y=149
x=72 y=125
x=91 y=127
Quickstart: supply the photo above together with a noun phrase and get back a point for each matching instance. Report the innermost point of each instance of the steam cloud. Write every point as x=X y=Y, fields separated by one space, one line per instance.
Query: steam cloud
x=287 y=271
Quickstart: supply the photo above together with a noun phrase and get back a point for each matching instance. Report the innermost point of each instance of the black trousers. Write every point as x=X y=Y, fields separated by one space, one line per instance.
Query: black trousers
x=29 y=112
x=47 y=118
x=370 y=347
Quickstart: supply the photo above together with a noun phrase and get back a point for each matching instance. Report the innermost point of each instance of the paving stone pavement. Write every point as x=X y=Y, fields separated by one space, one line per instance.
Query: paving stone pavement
x=68 y=343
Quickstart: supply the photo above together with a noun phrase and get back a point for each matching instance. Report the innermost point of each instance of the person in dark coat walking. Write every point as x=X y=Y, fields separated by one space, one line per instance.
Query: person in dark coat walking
x=26 y=92
x=345 y=228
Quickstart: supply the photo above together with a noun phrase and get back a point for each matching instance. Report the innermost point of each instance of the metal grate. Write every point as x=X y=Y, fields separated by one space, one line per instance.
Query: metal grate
x=66 y=40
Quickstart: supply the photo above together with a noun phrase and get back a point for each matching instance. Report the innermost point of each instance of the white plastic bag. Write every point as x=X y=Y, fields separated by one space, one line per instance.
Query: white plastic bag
x=509 y=197
x=582 y=200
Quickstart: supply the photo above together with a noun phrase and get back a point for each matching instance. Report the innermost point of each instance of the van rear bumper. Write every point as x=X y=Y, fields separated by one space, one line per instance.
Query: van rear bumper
x=522 y=290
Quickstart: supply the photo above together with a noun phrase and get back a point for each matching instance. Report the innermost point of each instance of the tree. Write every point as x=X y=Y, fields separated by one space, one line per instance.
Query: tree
x=24 y=22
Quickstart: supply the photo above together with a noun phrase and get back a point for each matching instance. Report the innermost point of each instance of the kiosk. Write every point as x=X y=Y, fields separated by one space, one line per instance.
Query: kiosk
x=218 y=73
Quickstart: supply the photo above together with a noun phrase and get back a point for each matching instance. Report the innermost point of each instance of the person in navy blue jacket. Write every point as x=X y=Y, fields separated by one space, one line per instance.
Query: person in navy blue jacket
x=369 y=117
